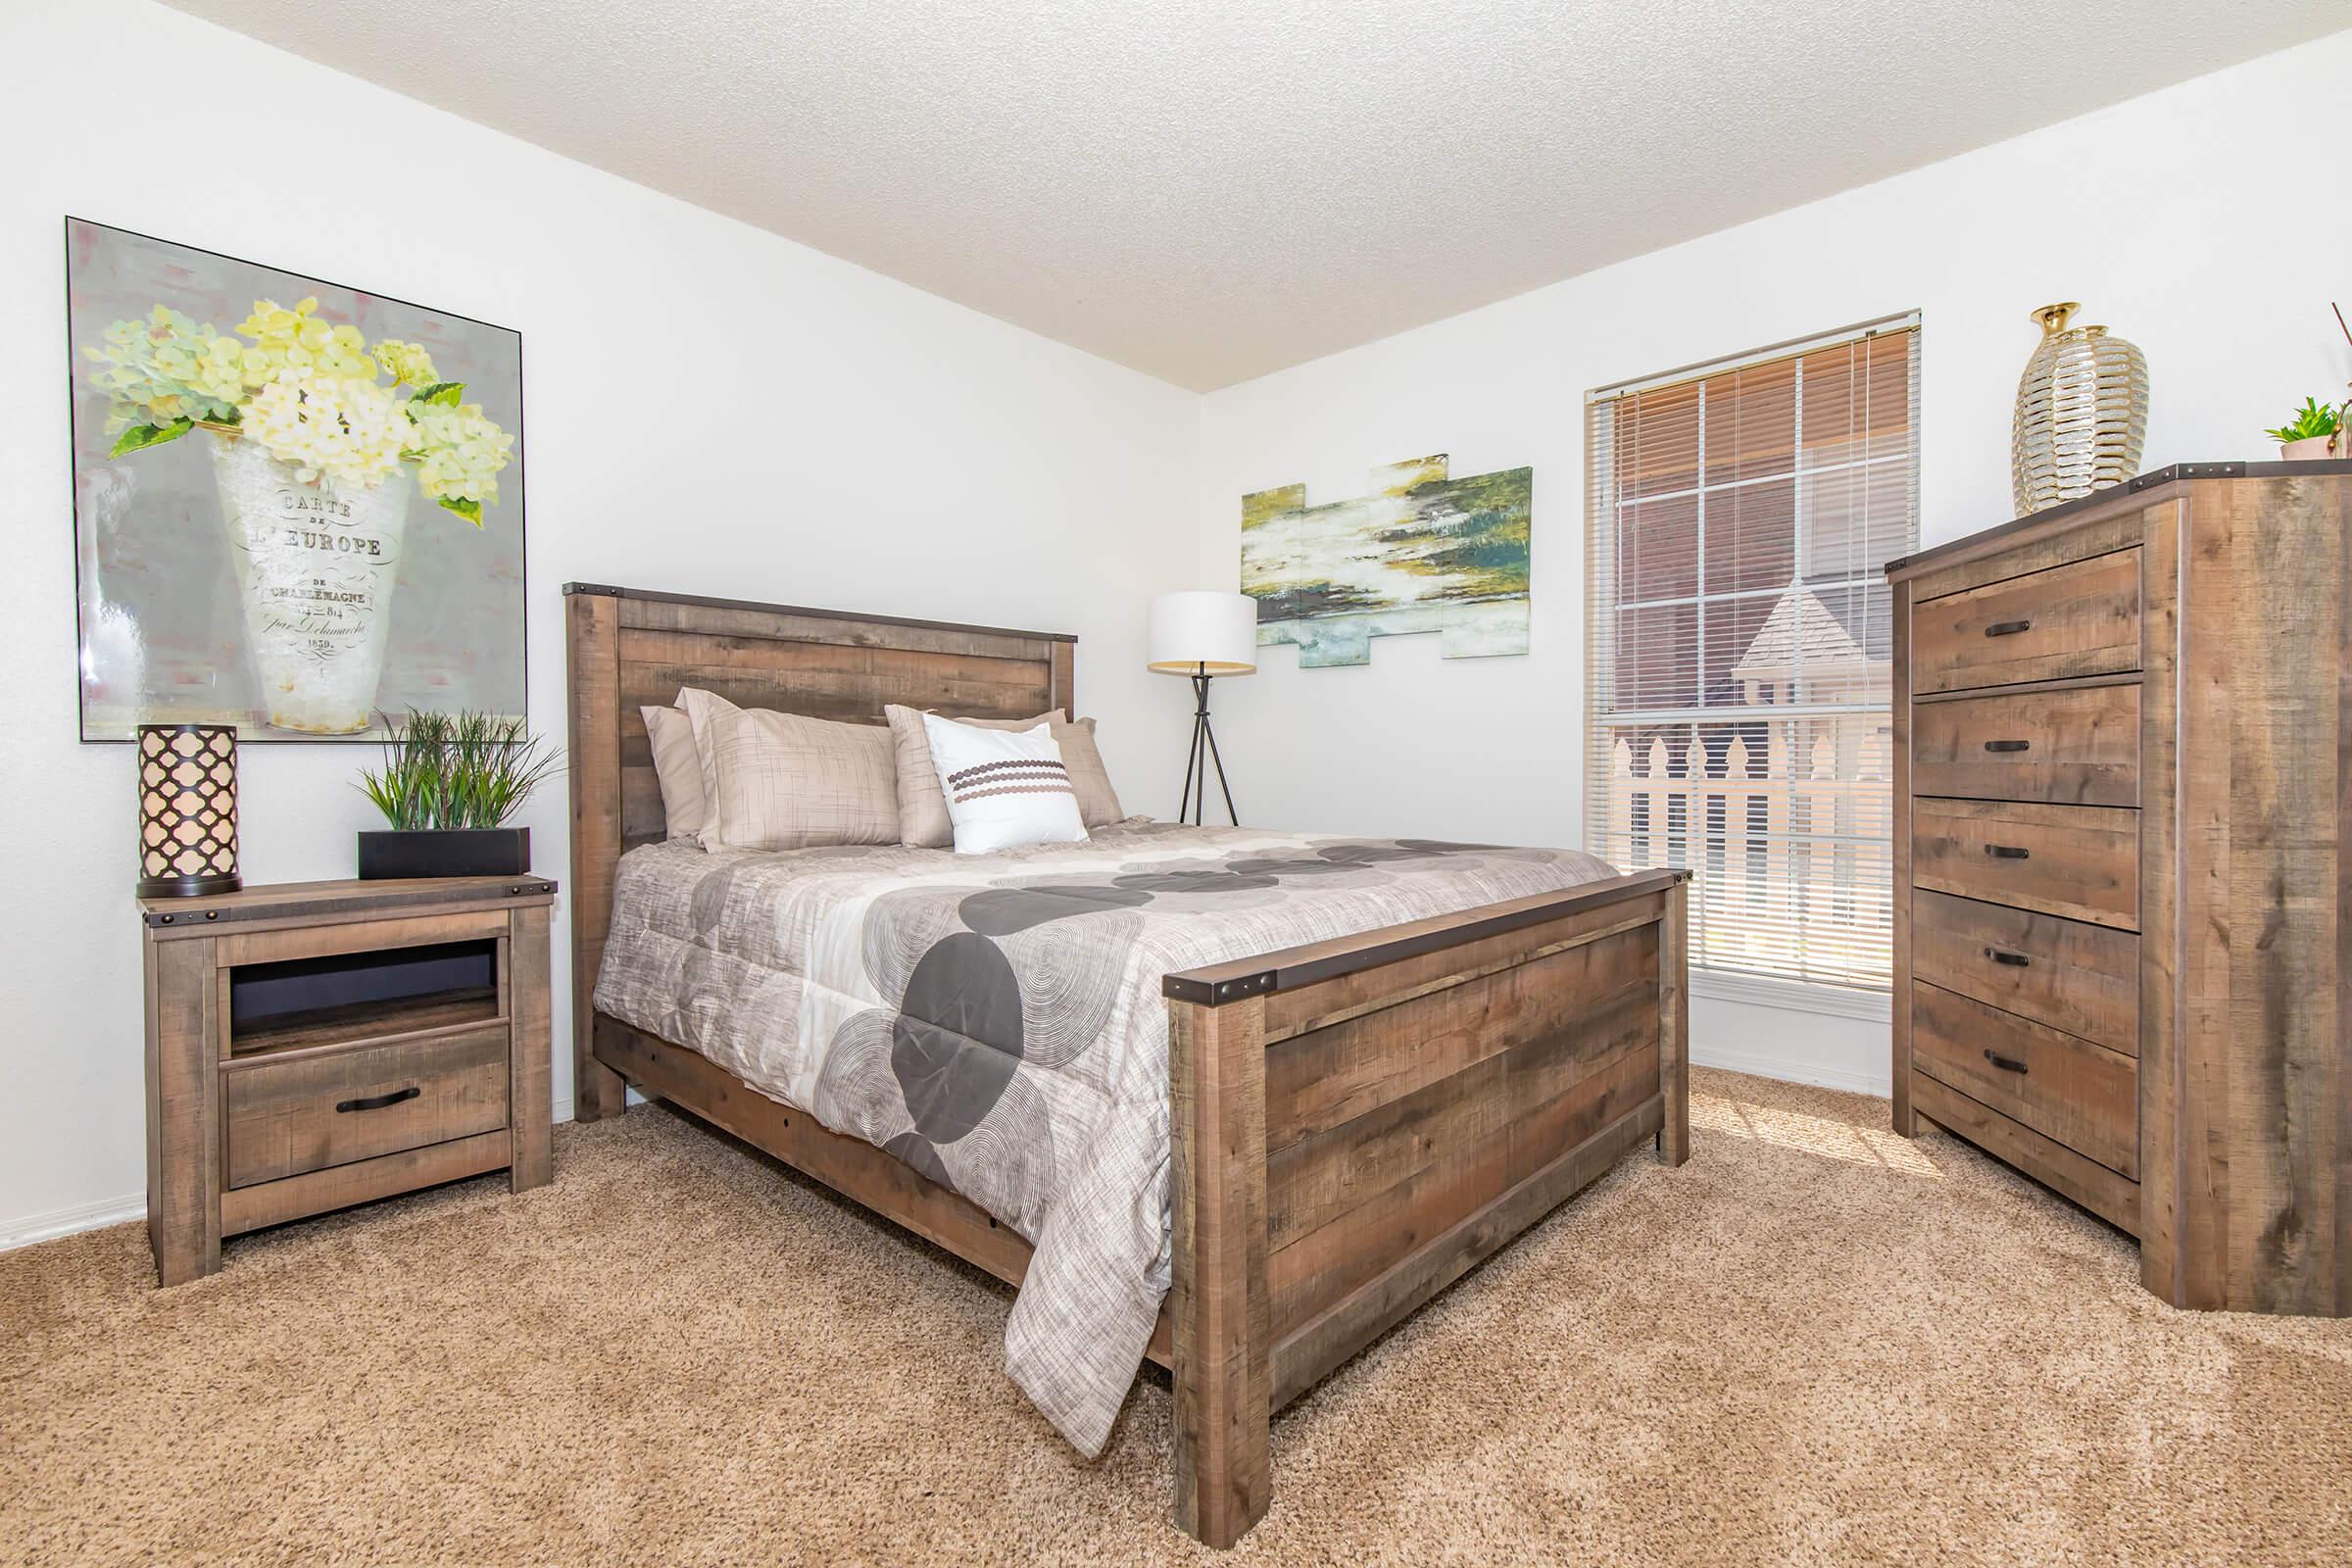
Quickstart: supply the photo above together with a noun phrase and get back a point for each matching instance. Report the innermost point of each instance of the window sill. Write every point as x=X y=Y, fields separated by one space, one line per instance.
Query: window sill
x=1836 y=1001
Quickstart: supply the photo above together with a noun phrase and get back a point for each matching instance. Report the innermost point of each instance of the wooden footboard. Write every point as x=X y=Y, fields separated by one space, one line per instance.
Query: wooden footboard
x=1358 y=1123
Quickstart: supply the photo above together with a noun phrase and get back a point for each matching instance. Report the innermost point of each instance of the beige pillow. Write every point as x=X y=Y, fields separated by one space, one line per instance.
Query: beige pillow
x=702 y=708
x=678 y=765
x=786 y=782
x=923 y=821
x=1098 y=801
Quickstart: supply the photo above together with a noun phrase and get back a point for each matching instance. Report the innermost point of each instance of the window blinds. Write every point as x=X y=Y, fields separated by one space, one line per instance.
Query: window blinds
x=1738 y=519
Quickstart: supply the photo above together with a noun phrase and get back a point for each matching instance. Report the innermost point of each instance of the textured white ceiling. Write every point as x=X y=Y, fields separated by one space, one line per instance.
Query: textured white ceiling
x=1213 y=189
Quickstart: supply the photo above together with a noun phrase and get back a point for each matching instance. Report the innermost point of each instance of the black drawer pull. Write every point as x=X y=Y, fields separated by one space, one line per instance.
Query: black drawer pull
x=2015 y=959
x=2008 y=851
x=2008 y=746
x=2008 y=628
x=2005 y=1064
x=379 y=1101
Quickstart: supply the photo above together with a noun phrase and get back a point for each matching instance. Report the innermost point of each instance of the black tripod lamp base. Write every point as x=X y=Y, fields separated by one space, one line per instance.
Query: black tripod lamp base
x=1200 y=760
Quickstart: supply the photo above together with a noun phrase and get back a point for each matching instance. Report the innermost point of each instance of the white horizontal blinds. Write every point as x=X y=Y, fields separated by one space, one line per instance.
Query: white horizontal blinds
x=1740 y=521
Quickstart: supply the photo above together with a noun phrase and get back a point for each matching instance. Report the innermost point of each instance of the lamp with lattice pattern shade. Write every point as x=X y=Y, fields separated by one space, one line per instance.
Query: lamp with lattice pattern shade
x=187 y=811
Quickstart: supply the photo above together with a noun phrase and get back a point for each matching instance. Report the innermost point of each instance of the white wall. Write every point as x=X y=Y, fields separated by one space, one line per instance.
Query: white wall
x=2171 y=217
x=711 y=410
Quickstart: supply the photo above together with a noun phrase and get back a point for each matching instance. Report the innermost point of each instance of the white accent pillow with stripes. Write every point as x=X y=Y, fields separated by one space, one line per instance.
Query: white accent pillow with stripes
x=1004 y=788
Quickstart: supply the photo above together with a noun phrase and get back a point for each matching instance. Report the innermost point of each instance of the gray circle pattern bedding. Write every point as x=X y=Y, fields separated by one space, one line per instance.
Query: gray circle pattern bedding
x=995 y=1021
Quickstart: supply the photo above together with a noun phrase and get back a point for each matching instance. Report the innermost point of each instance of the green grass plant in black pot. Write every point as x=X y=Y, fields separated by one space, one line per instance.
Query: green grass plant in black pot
x=447 y=786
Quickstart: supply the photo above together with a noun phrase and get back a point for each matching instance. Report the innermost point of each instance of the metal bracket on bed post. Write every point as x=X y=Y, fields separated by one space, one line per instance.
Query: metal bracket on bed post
x=1223 y=1327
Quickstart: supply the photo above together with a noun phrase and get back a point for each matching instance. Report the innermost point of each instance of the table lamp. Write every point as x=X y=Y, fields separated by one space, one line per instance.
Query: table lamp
x=187 y=811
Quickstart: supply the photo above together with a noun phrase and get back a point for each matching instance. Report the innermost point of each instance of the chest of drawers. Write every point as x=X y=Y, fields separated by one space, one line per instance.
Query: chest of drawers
x=2124 y=868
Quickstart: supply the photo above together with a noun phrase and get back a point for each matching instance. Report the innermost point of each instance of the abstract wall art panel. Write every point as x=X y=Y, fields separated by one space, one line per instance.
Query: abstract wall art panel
x=297 y=507
x=1419 y=553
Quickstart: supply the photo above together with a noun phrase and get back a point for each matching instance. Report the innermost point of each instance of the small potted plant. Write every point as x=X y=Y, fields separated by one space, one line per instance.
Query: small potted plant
x=447 y=787
x=2316 y=431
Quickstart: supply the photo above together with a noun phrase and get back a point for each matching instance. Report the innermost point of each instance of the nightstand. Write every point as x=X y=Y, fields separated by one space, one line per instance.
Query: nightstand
x=314 y=1045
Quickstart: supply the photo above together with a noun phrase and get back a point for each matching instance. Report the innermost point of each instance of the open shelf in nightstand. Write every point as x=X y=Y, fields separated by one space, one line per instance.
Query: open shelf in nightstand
x=355 y=998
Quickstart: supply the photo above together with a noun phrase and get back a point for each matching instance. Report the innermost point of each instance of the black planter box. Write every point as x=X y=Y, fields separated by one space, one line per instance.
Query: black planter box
x=445 y=851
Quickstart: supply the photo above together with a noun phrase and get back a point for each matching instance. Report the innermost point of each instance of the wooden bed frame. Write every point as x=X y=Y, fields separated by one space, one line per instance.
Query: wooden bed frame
x=1357 y=1123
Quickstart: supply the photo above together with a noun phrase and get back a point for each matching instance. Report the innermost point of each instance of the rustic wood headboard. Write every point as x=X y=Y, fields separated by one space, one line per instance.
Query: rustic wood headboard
x=629 y=648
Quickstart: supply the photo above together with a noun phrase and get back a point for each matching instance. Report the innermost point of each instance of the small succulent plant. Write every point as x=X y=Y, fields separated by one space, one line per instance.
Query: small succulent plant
x=2313 y=418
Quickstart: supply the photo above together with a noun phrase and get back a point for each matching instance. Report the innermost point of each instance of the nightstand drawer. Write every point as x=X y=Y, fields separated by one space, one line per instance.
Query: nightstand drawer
x=2082 y=618
x=282 y=1117
x=2078 y=746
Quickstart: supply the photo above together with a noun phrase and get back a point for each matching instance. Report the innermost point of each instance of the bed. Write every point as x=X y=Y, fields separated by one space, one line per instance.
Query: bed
x=1383 y=1060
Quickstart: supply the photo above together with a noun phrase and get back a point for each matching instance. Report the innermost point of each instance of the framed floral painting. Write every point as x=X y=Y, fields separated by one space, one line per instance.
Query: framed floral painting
x=297 y=507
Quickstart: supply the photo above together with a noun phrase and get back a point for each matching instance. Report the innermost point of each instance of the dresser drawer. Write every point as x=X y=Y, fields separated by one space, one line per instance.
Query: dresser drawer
x=2079 y=745
x=2082 y=618
x=2068 y=1090
x=2083 y=979
x=2079 y=862
x=2111 y=1197
x=303 y=1114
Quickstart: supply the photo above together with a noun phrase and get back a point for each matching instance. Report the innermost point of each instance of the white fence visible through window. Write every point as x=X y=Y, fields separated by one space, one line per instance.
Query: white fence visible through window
x=1785 y=822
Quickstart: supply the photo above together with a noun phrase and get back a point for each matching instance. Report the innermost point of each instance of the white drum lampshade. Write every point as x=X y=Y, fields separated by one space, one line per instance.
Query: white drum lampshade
x=1204 y=633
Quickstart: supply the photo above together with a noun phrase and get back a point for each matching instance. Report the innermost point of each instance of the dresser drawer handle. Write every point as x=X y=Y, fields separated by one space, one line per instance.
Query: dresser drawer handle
x=378 y=1102
x=2005 y=1064
x=2008 y=746
x=2013 y=959
x=2008 y=628
x=2008 y=851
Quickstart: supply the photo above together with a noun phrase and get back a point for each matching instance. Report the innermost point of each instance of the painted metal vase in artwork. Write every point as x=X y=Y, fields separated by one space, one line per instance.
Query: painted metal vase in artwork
x=2082 y=418
x=316 y=563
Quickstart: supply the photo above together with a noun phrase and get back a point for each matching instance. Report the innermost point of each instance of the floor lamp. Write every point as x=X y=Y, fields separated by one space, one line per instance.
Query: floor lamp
x=1204 y=635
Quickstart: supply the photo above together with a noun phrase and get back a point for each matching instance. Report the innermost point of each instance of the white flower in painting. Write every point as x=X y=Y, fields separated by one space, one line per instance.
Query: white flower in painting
x=349 y=430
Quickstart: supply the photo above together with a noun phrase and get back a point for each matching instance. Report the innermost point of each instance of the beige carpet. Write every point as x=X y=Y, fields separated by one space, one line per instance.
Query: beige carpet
x=1816 y=1343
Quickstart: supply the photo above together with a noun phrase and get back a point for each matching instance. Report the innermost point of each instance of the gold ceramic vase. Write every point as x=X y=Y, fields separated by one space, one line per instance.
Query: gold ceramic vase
x=2082 y=412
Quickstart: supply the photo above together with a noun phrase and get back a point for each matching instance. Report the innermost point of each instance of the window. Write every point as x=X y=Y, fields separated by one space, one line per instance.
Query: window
x=1741 y=633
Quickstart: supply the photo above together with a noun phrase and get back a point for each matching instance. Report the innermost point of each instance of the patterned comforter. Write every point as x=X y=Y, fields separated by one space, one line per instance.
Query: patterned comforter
x=995 y=1022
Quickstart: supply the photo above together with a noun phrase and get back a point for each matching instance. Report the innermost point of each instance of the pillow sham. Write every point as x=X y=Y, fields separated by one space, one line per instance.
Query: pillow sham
x=1098 y=801
x=678 y=767
x=1003 y=788
x=703 y=709
x=923 y=820
x=788 y=782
